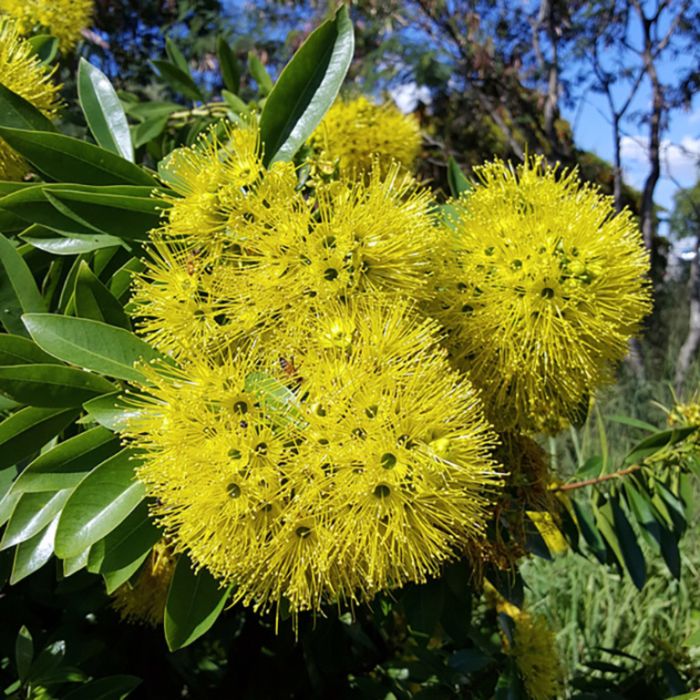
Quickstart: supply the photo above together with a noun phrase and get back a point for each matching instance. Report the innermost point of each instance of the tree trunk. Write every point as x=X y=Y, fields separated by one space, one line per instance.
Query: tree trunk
x=690 y=347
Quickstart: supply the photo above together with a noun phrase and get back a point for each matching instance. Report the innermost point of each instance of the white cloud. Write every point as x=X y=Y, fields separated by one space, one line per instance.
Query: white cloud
x=408 y=95
x=681 y=160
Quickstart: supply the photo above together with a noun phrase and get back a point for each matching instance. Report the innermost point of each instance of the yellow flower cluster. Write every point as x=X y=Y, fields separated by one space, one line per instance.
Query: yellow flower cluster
x=314 y=445
x=64 y=19
x=541 y=289
x=356 y=133
x=22 y=72
x=143 y=601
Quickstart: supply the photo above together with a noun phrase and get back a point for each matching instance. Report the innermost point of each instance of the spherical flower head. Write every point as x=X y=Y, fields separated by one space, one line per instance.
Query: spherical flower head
x=541 y=292
x=341 y=471
x=143 y=601
x=535 y=652
x=22 y=72
x=356 y=133
x=64 y=19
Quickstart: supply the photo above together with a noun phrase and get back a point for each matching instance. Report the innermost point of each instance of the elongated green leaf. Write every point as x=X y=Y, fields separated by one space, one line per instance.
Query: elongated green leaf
x=120 y=283
x=72 y=565
x=45 y=47
x=126 y=544
x=24 y=432
x=658 y=441
x=456 y=179
x=121 y=216
x=103 y=111
x=110 y=688
x=65 y=159
x=17 y=350
x=260 y=74
x=586 y=524
x=100 y=502
x=602 y=510
x=235 y=103
x=230 y=69
x=114 y=579
x=51 y=385
x=306 y=88
x=179 y=80
x=194 y=602
x=65 y=465
x=31 y=555
x=90 y=344
x=18 y=113
x=24 y=652
x=111 y=411
x=176 y=56
x=18 y=291
x=93 y=300
x=148 y=130
x=57 y=243
x=33 y=512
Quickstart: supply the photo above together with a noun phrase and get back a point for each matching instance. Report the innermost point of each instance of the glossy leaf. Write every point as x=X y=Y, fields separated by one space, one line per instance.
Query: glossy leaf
x=194 y=602
x=118 y=577
x=18 y=291
x=179 y=80
x=31 y=555
x=65 y=159
x=99 y=503
x=18 y=350
x=33 y=512
x=103 y=111
x=18 y=113
x=72 y=565
x=90 y=344
x=27 y=430
x=45 y=47
x=228 y=64
x=65 y=465
x=111 y=412
x=93 y=300
x=306 y=88
x=57 y=243
x=51 y=385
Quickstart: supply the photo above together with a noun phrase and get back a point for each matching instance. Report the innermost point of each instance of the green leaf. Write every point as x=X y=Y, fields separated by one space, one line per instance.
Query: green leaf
x=65 y=159
x=126 y=544
x=24 y=652
x=456 y=179
x=176 y=56
x=17 y=350
x=634 y=423
x=103 y=111
x=111 y=412
x=65 y=465
x=602 y=511
x=468 y=661
x=279 y=402
x=33 y=512
x=57 y=243
x=90 y=344
x=122 y=216
x=26 y=431
x=18 y=113
x=72 y=565
x=179 y=80
x=48 y=660
x=234 y=102
x=306 y=88
x=230 y=69
x=120 y=283
x=44 y=46
x=18 y=291
x=93 y=300
x=109 y=688
x=51 y=385
x=586 y=524
x=114 y=579
x=100 y=502
x=656 y=442
x=260 y=74
x=194 y=602
x=423 y=605
x=148 y=130
x=31 y=555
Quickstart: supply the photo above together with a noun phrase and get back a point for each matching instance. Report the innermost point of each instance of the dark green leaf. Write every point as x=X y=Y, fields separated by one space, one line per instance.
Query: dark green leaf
x=51 y=385
x=423 y=605
x=456 y=179
x=110 y=688
x=24 y=652
x=179 y=80
x=148 y=130
x=34 y=553
x=18 y=291
x=65 y=159
x=468 y=661
x=48 y=660
x=26 y=431
x=65 y=465
x=33 y=512
x=658 y=441
x=16 y=350
x=45 y=47
x=120 y=283
x=194 y=602
x=18 y=113
x=590 y=533
x=93 y=300
x=103 y=111
x=90 y=344
x=306 y=88
x=230 y=69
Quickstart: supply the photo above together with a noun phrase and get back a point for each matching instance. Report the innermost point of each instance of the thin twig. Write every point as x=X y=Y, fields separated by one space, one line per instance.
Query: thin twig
x=599 y=479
